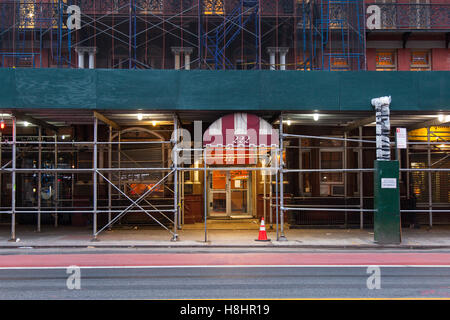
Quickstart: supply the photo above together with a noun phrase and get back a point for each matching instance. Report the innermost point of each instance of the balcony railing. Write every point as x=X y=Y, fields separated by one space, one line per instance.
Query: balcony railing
x=387 y=16
x=159 y=7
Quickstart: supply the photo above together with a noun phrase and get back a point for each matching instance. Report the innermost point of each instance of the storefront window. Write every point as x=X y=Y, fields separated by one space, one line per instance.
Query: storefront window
x=306 y=177
x=331 y=160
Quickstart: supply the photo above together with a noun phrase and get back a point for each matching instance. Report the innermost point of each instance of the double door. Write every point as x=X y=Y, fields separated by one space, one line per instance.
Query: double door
x=229 y=194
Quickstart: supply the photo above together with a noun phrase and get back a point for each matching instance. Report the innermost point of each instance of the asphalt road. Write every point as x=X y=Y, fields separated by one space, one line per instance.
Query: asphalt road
x=231 y=282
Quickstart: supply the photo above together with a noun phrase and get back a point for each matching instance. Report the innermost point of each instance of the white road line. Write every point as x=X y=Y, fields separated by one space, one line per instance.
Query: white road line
x=225 y=266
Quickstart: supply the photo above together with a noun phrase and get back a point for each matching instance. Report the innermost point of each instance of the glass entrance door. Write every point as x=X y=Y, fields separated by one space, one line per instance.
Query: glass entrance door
x=218 y=194
x=239 y=192
x=229 y=193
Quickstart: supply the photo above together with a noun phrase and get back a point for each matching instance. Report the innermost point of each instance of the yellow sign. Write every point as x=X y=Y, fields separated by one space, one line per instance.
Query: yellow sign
x=437 y=134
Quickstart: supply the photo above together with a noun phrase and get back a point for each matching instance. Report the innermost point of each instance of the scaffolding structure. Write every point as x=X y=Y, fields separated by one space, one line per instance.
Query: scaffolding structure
x=114 y=177
x=121 y=179
x=220 y=34
x=420 y=196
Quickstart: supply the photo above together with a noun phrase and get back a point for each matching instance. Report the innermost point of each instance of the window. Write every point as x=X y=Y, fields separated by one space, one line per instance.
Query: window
x=27 y=15
x=339 y=64
x=440 y=192
x=386 y=60
x=305 y=178
x=420 y=60
x=331 y=156
x=213 y=7
x=149 y=6
x=331 y=160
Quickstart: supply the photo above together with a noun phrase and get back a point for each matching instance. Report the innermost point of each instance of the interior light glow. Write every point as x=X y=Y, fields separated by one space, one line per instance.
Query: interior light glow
x=316 y=117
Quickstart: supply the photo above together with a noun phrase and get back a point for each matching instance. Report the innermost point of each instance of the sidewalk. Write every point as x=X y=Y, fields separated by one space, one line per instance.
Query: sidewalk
x=193 y=236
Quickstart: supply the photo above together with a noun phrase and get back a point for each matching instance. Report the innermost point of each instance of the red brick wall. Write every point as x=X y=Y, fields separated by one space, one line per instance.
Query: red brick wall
x=440 y=59
x=403 y=59
x=370 y=58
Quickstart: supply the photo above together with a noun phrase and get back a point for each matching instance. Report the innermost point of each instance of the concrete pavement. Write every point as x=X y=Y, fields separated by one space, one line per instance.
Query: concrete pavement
x=193 y=236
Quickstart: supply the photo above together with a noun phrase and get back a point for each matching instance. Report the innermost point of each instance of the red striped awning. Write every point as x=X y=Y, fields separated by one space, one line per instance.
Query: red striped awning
x=238 y=139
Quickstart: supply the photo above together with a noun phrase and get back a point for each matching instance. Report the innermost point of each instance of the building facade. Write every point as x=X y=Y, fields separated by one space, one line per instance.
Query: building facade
x=228 y=109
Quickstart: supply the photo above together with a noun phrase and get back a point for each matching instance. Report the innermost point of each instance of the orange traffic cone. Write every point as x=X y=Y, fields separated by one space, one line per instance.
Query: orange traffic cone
x=262 y=232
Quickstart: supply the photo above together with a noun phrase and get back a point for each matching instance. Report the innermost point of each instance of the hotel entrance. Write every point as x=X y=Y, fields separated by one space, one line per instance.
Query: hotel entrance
x=229 y=194
x=236 y=146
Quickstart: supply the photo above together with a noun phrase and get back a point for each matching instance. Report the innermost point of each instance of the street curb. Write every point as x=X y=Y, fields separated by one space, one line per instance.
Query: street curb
x=271 y=246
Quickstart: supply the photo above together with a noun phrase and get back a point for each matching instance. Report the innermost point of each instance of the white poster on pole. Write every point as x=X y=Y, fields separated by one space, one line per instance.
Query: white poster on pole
x=402 y=138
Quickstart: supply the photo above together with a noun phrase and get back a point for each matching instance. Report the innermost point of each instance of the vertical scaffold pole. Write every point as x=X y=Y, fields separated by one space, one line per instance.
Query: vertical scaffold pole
x=13 y=183
x=56 y=189
x=119 y=165
x=430 y=191
x=109 y=175
x=1 y=138
x=175 y=178
x=276 y=192
x=282 y=236
x=361 y=186
x=259 y=35
x=181 y=219
x=130 y=36
x=94 y=179
x=408 y=190
x=263 y=177
x=199 y=33
x=271 y=200
x=39 y=181
x=300 y=162
x=205 y=200
x=345 y=178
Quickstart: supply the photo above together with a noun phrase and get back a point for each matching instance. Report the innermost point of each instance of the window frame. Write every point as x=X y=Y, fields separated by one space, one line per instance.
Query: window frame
x=393 y=67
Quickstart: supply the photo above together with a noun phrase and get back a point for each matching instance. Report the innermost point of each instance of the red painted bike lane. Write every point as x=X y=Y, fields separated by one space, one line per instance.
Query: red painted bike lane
x=224 y=259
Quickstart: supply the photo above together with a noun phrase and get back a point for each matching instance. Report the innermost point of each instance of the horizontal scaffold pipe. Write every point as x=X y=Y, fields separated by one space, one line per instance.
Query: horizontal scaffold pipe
x=83 y=211
x=443 y=143
x=324 y=209
x=325 y=205
x=427 y=210
x=288 y=135
x=426 y=169
x=85 y=142
x=32 y=170
x=329 y=170
x=229 y=169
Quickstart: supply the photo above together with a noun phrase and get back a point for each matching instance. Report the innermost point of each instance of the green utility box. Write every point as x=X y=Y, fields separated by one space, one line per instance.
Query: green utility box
x=387 y=228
